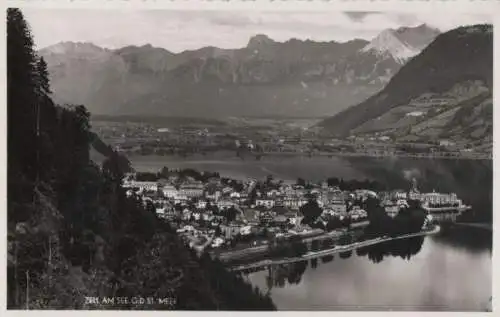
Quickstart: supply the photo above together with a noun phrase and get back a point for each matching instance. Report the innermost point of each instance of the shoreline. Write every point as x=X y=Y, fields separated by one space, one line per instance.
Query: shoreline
x=213 y=157
x=336 y=249
x=483 y=226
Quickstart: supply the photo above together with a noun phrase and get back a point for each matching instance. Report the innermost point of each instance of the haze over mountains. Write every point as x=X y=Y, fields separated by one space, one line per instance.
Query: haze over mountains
x=266 y=78
x=443 y=93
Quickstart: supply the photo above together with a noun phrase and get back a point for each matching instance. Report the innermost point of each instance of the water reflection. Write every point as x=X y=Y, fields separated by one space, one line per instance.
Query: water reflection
x=403 y=248
x=473 y=240
x=327 y=258
x=345 y=255
x=282 y=275
x=456 y=237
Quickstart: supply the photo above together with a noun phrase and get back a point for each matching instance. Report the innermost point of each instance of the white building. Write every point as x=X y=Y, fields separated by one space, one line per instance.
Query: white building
x=169 y=191
x=215 y=196
x=143 y=186
x=217 y=242
x=227 y=190
x=179 y=199
x=268 y=203
x=338 y=206
x=400 y=195
x=272 y=193
x=294 y=203
x=246 y=230
x=201 y=204
x=439 y=198
x=222 y=204
x=186 y=214
x=191 y=191
x=235 y=195
x=196 y=215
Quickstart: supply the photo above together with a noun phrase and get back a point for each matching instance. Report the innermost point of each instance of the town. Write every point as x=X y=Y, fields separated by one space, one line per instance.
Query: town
x=216 y=213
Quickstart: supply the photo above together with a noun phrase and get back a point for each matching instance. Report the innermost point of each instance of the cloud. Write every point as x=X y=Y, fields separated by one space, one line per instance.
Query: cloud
x=358 y=16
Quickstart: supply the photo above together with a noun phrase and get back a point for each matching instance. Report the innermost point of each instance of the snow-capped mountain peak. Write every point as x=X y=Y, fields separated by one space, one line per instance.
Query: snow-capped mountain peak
x=388 y=43
x=403 y=43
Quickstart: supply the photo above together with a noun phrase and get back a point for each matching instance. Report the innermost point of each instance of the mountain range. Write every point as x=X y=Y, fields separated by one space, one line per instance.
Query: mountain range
x=266 y=78
x=445 y=92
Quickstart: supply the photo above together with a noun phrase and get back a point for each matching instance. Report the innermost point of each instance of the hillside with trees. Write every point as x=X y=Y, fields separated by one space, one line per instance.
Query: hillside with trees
x=72 y=232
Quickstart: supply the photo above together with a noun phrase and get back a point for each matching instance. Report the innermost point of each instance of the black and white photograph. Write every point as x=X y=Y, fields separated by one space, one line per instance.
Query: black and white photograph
x=232 y=160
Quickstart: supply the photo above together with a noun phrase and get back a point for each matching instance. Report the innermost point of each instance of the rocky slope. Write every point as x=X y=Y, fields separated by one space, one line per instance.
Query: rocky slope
x=403 y=43
x=265 y=78
x=444 y=92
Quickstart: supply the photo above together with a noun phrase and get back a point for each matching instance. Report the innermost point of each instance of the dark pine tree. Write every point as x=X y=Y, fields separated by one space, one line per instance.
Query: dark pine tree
x=21 y=108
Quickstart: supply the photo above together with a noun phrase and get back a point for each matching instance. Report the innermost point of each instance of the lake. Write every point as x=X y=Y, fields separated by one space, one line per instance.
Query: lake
x=228 y=165
x=449 y=271
x=439 y=275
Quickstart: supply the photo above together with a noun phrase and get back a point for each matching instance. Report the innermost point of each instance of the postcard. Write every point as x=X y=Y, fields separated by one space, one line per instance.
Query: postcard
x=237 y=157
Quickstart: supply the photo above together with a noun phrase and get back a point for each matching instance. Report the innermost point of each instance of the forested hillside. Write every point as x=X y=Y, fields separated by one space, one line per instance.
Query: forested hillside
x=72 y=232
x=457 y=68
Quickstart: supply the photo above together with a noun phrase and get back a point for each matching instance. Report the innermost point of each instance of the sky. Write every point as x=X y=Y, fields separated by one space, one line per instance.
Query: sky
x=187 y=30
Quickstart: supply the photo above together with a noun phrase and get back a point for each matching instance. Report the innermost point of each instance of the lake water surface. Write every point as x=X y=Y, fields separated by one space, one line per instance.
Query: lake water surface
x=441 y=276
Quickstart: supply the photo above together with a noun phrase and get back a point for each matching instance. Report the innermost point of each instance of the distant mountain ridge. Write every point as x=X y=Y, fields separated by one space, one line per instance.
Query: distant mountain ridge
x=445 y=92
x=293 y=78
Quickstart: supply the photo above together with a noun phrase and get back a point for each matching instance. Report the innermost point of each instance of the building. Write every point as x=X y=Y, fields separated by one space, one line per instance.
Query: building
x=251 y=215
x=235 y=195
x=246 y=230
x=280 y=221
x=201 y=204
x=180 y=199
x=294 y=202
x=166 y=213
x=431 y=100
x=294 y=218
x=215 y=196
x=217 y=242
x=265 y=218
x=186 y=214
x=227 y=190
x=268 y=203
x=439 y=198
x=142 y=186
x=223 y=204
x=399 y=195
x=365 y=193
x=231 y=230
x=272 y=193
x=169 y=191
x=192 y=190
x=338 y=206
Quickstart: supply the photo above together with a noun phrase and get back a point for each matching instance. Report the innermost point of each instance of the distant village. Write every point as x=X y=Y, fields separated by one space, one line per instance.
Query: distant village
x=220 y=213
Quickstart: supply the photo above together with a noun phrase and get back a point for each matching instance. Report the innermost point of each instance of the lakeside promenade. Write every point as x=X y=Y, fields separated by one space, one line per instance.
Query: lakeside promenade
x=336 y=249
x=229 y=255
